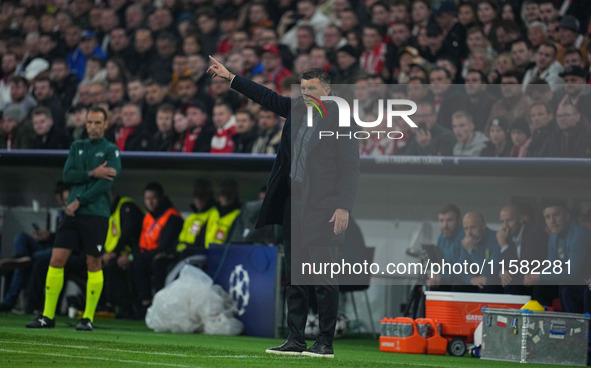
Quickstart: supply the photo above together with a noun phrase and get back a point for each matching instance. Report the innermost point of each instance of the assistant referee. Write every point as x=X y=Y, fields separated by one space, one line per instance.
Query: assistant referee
x=91 y=167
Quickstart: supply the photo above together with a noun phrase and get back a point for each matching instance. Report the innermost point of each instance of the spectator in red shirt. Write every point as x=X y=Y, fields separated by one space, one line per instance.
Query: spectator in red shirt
x=225 y=124
x=273 y=69
x=228 y=25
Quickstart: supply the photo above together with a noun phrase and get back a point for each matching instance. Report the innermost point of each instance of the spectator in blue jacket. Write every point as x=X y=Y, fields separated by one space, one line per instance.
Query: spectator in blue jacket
x=449 y=243
x=88 y=47
x=569 y=241
x=479 y=246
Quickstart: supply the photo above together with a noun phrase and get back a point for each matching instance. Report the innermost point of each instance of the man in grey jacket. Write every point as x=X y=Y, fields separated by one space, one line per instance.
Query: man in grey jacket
x=470 y=142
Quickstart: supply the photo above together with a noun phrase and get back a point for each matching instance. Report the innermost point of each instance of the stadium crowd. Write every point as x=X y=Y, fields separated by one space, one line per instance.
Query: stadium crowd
x=491 y=78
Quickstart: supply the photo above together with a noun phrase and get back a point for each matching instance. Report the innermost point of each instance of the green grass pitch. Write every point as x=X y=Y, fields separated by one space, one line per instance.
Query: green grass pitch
x=125 y=344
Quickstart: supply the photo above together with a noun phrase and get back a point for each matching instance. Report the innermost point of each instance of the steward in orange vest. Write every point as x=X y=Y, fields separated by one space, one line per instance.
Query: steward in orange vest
x=160 y=231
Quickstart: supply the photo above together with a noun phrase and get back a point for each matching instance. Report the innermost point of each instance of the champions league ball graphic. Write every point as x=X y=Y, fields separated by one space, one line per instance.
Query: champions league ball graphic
x=239 y=288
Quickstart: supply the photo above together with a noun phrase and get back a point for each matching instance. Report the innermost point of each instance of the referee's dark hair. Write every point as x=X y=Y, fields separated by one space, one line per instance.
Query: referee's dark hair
x=98 y=109
x=156 y=188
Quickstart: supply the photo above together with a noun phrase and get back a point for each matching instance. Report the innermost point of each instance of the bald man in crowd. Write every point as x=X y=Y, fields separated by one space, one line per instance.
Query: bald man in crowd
x=479 y=245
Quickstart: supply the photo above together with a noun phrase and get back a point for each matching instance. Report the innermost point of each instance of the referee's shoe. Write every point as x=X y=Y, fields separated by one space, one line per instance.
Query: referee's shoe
x=84 y=325
x=41 y=322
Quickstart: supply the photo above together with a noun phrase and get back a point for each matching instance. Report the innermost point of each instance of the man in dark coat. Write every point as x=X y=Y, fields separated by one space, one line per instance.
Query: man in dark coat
x=316 y=180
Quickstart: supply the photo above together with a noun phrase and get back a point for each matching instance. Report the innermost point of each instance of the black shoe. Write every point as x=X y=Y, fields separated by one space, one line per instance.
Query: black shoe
x=319 y=350
x=41 y=322
x=84 y=325
x=290 y=347
x=9 y=264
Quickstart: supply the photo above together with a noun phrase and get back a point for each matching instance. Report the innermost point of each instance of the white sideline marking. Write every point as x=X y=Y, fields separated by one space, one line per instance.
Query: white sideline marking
x=97 y=348
x=96 y=358
x=82 y=347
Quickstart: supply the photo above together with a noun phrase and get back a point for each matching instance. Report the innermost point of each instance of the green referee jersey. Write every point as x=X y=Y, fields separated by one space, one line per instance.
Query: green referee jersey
x=94 y=194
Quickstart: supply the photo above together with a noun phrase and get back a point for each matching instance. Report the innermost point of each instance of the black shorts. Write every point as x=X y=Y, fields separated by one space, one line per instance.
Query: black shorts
x=87 y=233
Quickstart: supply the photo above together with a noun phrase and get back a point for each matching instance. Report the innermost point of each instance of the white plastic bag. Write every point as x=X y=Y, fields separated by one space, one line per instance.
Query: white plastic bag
x=192 y=303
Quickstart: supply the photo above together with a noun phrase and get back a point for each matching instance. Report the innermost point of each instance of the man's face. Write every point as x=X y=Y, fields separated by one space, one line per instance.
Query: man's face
x=72 y=36
x=133 y=18
x=250 y=58
x=179 y=65
x=42 y=90
x=305 y=39
x=439 y=82
x=474 y=84
x=97 y=94
x=136 y=91
x=8 y=125
x=416 y=91
x=108 y=20
x=435 y=42
x=219 y=87
x=87 y=45
x=96 y=125
x=42 y=124
x=348 y=21
x=399 y=12
x=206 y=24
x=164 y=121
x=448 y=224
x=196 y=117
x=536 y=36
x=186 y=90
x=574 y=85
x=119 y=40
x=510 y=87
x=131 y=116
x=151 y=200
x=332 y=36
x=547 y=12
x=462 y=129
x=314 y=88
x=18 y=91
x=345 y=60
x=567 y=117
x=240 y=40
x=318 y=58
x=567 y=37
x=473 y=228
x=116 y=92
x=539 y=116
x=545 y=57
x=371 y=39
x=557 y=219
x=267 y=120
x=425 y=114
x=243 y=123
x=143 y=41
x=221 y=115
x=400 y=35
x=8 y=63
x=154 y=94
x=306 y=9
x=573 y=59
x=521 y=54
x=270 y=61
x=380 y=15
x=165 y=48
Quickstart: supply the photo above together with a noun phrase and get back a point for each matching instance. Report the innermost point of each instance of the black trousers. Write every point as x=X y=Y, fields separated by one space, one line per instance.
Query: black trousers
x=144 y=268
x=298 y=296
x=117 y=287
